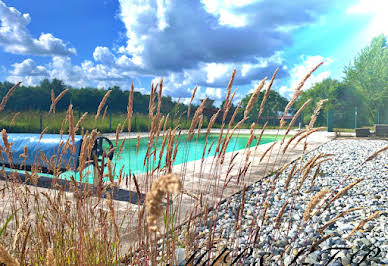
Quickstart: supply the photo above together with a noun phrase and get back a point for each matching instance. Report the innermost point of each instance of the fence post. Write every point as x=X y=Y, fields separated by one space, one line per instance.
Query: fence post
x=110 y=120
x=329 y=121
x=40 y=121
x=355 y=117
x=378 y=117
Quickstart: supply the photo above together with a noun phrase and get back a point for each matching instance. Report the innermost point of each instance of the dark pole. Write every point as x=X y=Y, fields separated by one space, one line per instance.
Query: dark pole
x=110 y=120
x=40 y=121
x=355 y=117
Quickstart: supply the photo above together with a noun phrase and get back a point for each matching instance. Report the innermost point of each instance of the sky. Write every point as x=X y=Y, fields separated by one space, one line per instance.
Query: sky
x=108 y=43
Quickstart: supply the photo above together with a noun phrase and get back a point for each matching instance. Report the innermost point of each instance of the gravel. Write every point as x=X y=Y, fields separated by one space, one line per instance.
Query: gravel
x=294 y=240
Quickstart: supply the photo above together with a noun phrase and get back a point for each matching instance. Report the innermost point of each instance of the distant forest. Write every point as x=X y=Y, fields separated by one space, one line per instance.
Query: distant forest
x=38 y=98
x=27 y=98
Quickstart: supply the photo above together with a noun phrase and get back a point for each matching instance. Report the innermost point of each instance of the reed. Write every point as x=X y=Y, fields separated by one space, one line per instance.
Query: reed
x=363 y=222
x=54 y=100
x=75 y=226
x=313 y=203
x=102 y=103
x=7 y=96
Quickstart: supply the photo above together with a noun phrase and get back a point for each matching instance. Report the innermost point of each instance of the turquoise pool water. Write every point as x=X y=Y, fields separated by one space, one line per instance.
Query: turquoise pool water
x=187 y=151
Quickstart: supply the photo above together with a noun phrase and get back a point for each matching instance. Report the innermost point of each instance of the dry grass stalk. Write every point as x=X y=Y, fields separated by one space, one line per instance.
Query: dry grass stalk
x=211 y=123
x=254 y=97
x=137 y=144
x=80 y=121
x=104 y=114
x=70 y=118
x=6 y=258
x=14 y=118
x=261 y=135
x=306 y=134
x=278 y=173
x=316 y=113
x=251 y=135
x=307 y=168
x=292 y=138
x=267 y=150
x=280 y=214
x=42 y=133
x=130 y=107
x=159 y=98
x=56 y=100
x=315 y=176
x=294 y=119
x=234 y=115
x=297 y=93
x=267 y=94
x=338 y=217
x=199 y=126
x=112 y=215
x=196 y=118
x=18 y=232
x=374 y=155
x=228 y=101
x=151 y=102
x=341 y=192
x=313 y=202
x=266 y=205
x=290 y=175
x=102 y=103
x=169 y=183
x=226 y=143
x=50 y=260
x=322 y=161
x=363 y=222
x=7 y=96
x=191 y=100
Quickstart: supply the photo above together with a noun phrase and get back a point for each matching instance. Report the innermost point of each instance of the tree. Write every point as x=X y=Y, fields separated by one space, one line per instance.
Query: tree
x=341 y=102
x=369 y=75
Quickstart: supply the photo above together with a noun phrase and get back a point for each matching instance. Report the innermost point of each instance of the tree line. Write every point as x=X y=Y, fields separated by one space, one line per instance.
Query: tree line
x=38 y=98
x=28 y=98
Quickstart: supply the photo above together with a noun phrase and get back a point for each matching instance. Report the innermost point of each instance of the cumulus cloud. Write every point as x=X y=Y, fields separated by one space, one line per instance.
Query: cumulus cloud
x=28 y=68
x=15 y=37
x=298 y=72
x=86 y=74
x=195 y=33
x=189 y=43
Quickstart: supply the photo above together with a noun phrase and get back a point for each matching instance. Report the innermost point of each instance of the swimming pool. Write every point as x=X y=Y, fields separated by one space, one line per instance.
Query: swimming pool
x=131 y=161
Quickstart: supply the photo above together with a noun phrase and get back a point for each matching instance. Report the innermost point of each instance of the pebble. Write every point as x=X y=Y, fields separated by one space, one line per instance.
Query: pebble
x=371 y=194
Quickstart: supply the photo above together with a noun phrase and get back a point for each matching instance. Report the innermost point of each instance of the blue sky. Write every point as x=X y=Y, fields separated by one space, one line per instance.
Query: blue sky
x=190 y=43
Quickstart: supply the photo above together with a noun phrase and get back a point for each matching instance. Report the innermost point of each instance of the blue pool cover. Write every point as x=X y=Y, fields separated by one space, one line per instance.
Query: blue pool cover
x=51 y=145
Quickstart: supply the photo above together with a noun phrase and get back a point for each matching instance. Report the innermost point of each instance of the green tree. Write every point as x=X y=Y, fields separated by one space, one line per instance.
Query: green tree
x=342 y=100
x=369 y=74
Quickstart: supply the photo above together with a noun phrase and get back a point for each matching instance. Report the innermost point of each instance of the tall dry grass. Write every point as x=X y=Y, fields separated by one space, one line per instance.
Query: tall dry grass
x=79 y=227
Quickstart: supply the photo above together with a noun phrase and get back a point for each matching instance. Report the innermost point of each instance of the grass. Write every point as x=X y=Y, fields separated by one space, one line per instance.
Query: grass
x=49 y=227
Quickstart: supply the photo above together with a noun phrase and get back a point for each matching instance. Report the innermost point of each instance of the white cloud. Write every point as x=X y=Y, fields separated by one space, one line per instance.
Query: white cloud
x=378 y=10
x=28 y=68
x=174 y=36
x=188 y=42
x=15 y=37
x=298 y=72
x=104 y=55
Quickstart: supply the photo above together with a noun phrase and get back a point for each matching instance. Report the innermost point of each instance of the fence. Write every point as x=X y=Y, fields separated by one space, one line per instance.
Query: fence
x=354 y=118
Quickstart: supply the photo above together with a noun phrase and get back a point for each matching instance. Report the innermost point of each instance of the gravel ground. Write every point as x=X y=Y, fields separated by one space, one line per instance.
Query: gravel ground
x=302 y=242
